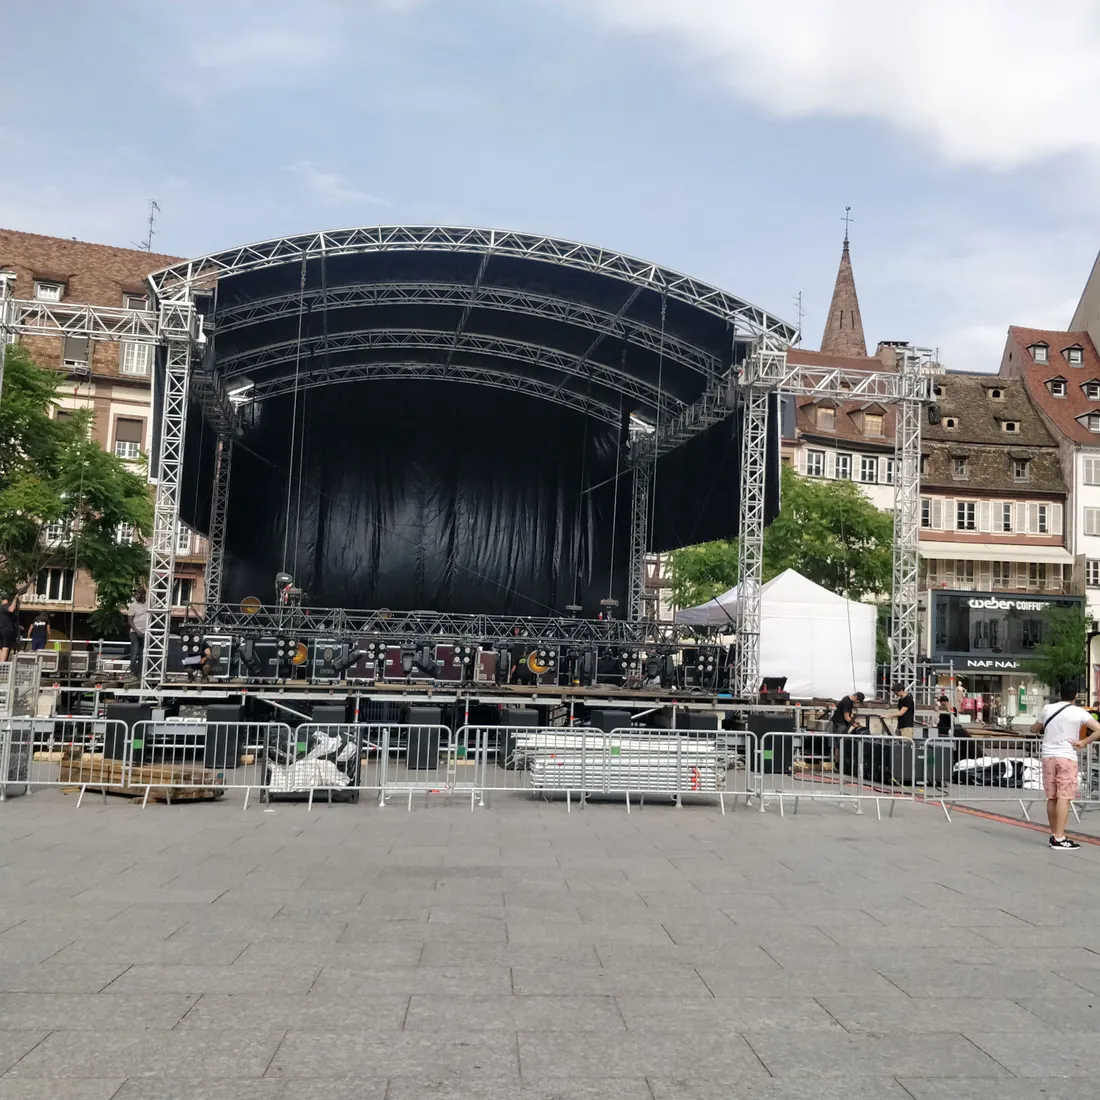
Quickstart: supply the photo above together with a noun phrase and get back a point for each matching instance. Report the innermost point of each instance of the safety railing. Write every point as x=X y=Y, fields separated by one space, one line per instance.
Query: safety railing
x=849 y=768
x=61 y=752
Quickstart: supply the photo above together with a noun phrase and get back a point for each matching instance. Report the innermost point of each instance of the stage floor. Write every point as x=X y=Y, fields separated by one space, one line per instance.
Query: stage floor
x=181 y=952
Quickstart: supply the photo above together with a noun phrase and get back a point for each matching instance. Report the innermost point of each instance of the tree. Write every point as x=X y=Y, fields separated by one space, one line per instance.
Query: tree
x=1060 y=657
x=62 y=497
x=827 y=530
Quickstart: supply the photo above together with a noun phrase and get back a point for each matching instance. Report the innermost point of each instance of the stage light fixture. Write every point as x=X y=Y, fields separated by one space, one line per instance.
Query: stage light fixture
x=347 y=658
x=253 y=665
x=419 y=658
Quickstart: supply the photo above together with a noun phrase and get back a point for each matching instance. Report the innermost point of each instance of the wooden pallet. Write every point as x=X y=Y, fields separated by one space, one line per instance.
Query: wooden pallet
x=107 y=777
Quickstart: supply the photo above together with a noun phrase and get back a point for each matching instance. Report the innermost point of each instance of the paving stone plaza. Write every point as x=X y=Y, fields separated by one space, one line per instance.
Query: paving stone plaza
x=187 y=952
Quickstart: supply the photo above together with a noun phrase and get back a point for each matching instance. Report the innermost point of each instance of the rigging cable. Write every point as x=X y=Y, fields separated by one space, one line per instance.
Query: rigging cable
x=657 y=428
x=294 y=415
x=615 y=505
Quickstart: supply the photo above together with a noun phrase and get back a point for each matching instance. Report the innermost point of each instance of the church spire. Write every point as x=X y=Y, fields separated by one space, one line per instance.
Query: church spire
x=844 y=327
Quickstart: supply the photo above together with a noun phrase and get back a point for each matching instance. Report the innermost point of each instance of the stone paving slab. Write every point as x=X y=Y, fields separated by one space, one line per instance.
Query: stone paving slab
x=522 y=952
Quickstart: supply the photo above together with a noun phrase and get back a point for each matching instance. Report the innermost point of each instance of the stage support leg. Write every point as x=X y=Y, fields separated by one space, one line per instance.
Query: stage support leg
x=905 y=614
x=642 y=478
x=178 y=326
x=7 y=319
x=750 y=545
x=219 y=506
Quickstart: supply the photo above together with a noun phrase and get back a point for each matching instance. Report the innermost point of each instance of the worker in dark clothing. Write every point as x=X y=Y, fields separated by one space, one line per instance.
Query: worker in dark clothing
x=39 y=632
x=906 y=712
x=9 y=626
x=845 y=712
x=945 y=718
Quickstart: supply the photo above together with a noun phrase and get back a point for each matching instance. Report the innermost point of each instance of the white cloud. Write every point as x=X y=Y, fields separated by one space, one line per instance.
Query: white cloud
x=330 y=188
x=993 y=83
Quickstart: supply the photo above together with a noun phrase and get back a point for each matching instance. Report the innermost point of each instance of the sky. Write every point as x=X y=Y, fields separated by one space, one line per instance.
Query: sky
x=721 y=137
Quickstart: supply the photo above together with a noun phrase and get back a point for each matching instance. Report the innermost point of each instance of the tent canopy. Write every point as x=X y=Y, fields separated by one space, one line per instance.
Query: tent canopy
x=823 y=643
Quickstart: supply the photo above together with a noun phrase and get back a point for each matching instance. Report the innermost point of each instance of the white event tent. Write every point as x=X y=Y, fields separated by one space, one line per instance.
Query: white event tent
x=823 y=643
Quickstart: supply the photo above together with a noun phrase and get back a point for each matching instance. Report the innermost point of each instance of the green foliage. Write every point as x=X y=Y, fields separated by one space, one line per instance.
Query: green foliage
x=1061 y=654
x=52 y=472
x=827 y=530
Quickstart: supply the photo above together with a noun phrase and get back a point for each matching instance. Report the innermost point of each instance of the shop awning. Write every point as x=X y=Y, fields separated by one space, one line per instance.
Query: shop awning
x=995 y=551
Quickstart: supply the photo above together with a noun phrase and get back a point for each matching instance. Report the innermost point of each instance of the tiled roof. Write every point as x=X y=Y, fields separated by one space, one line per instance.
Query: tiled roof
x=1062 y=412
x=967 y=398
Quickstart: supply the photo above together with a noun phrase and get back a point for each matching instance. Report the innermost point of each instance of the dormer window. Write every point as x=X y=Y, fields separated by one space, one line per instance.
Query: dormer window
x=872 y=423
x=1010 y=426
x=1092 y=390
x=826 y=418
x=1057 y=387
x=960 y=468
x=937 y=391
x=950 y=423
x=996 y=395
x=1075 y=356
x=1092 y=422
x=1021 y=469
x=1038 y=352
x=47 y=291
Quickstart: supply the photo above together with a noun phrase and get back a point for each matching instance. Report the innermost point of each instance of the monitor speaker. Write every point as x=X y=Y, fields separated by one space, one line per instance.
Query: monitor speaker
x=424 y=722
x=115 y=739
x=223 y=736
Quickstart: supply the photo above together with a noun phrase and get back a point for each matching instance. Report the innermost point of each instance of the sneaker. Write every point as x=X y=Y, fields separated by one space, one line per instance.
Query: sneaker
x=1064 y=845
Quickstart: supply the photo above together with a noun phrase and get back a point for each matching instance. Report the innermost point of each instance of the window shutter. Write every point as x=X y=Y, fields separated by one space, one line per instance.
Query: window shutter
x=1021 y=574
x=129 y=431
x=984 y=509
x=1020 y=525
x=949 y=514
x=985 y=573
x=1055 y=519
x=937 y=513
x=1033 y=519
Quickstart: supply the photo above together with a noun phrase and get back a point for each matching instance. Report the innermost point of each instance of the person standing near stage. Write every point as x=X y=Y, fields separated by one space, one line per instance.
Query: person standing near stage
x=138 y=615
x=845 y=712
x=906 y=712
x=9 y=626
x=39 y=632
x=1061 y=725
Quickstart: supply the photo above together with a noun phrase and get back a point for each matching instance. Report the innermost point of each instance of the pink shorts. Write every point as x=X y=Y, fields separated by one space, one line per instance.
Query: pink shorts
x=1059 y=777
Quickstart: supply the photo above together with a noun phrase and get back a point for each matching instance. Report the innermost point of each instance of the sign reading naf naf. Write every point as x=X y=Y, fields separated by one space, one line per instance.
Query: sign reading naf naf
x=990 y=631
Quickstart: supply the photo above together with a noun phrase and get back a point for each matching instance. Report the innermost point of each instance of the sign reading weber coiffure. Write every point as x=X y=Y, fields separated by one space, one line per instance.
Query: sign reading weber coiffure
x=990 y=631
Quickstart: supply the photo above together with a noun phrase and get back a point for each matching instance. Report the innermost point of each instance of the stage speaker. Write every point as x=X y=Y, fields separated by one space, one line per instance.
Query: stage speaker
x=903 y=765
x=114 y=741
x=607 y=720
x=939 y=762
x=334 y=713
x=700 y=720
x=223 y=736
x=515 y=717
x=423 y=752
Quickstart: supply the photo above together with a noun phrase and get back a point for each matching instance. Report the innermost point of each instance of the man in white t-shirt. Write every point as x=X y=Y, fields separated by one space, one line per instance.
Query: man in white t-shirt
x=1062 y=725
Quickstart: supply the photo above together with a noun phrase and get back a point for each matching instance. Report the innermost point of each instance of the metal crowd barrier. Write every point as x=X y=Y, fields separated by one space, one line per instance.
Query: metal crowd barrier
x=627 y=762
x=850 y=768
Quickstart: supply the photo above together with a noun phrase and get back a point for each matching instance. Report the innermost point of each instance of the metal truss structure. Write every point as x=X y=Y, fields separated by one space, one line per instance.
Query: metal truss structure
x=641 y=483
x=464 y=295
x=181 y=280
x=219 y=510
x=417 y=626
x=909 y=388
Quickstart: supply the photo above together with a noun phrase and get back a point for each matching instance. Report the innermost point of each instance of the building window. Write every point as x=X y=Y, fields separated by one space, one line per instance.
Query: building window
x=1038 y=352
x=1057 y=387
x=47 y=292
x=923 y=465
x=1075 y=356
x=1010 y=426
x=1092 y=471
x=965 y=515
x=888 y=477
x=183 y=540
x=75 y=351
x=136 y=358
x=124 y=534
x=1042 y=525
x=926 y=511
x=55 y=534
x=964 y=573
x=1092 y=390
x=1021 y=469
x=868 y=469
x=997 y=395
x=128 y=437
x=815 y=463
x=960 y=468
x=1092 y=572
x=1006 y=517
x=135 y=301
x=1037 y=575
x=1002 y=574
x=1092 y=521
x=950 y=423
x=826 y=418
x=1092 y=422
x=183 y=591
x=872 y=423
x=844 y=467
x=54 y=585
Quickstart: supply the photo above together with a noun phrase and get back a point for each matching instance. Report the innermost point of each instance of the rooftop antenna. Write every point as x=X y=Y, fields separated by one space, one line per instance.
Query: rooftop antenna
x=147 y=244
x=800 y=313
x=847 y=220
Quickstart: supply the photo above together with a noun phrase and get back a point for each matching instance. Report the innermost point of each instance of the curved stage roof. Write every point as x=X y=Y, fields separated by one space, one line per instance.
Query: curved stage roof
x=579 y=326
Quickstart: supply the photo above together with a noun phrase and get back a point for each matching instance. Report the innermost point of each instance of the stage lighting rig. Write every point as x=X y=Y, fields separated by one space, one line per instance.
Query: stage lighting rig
x=246 y=647
x=291 y=653
x=419 y=658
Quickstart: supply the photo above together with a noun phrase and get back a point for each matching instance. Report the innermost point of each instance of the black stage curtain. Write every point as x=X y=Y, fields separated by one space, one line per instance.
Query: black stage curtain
x=448 y=497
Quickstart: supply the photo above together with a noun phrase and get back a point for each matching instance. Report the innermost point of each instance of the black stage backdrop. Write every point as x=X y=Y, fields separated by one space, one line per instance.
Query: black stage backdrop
x=448 y=497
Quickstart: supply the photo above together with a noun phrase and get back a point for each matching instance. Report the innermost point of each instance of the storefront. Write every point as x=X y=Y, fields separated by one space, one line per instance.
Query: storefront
x=985 y=640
